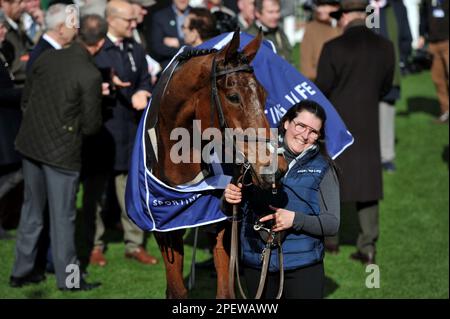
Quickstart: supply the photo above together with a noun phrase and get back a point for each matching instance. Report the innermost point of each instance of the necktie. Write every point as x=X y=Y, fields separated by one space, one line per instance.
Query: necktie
x=119 y=44
x=32 y=30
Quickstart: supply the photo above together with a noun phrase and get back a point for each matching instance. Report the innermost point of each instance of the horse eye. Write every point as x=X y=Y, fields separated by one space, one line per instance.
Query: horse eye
x=234 y=98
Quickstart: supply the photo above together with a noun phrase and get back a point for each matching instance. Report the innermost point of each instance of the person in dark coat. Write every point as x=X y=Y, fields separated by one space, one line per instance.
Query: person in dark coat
x=57 y=36
x=10 y=117
x=166 y=36
x=109 y=152
x=355 y=70
x=10 y=114
x=61 y=104
x=268 y=18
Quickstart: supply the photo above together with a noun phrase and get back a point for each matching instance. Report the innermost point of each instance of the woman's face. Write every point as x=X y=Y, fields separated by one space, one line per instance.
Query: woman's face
x=302 y=132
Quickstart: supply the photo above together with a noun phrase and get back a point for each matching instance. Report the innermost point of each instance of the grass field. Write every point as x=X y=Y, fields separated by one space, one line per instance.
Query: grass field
x=413 y=248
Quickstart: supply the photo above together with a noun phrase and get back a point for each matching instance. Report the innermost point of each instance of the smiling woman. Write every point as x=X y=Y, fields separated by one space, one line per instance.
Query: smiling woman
x=306 y=208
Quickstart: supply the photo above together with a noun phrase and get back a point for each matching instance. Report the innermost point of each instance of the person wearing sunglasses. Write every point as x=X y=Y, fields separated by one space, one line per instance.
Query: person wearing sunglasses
x=306 y=208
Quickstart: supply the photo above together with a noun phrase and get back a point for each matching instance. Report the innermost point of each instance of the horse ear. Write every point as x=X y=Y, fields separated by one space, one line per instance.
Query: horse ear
x=231 y=50
x=253 y=46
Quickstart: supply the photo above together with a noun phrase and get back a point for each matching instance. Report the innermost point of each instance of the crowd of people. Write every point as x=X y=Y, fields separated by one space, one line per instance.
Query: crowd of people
x=76 y=75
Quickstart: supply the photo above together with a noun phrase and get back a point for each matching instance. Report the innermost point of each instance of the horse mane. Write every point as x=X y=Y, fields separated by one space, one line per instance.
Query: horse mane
x=192 y=53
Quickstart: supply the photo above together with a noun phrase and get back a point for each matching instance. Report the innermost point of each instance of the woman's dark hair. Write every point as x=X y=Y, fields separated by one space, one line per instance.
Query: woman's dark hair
x=311 y=107
x=204 y=22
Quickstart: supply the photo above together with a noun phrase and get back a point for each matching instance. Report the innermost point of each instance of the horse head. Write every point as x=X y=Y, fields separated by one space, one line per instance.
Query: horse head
x=241 y=99
x=220 y=90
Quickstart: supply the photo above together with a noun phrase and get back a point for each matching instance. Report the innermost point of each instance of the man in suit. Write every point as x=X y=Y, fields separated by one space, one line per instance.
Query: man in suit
x=166 y=32
x=13 y=10
x=108 y=153
x=33 y=20
x=355 y=71
x=58 y=34
x=268 y=16
x=62 y=104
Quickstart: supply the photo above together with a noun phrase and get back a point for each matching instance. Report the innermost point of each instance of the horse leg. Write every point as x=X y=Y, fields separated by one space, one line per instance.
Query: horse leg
x=172 y=251
x=221 y=262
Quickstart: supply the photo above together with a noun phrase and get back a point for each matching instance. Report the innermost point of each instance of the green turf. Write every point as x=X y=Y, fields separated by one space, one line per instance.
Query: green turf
x=413 y=251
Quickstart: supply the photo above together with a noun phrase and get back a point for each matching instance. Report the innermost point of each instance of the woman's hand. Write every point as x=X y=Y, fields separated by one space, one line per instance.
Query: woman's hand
x=283 y=218
x=233 y=193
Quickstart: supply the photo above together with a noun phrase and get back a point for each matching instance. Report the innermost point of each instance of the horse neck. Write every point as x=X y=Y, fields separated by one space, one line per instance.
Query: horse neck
x=178 y=110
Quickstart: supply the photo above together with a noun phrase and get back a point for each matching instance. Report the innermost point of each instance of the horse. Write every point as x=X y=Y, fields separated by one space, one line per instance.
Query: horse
x=216 y=87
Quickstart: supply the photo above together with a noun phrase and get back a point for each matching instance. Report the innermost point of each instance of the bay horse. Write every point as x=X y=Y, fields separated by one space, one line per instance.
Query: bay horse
x=218 y=88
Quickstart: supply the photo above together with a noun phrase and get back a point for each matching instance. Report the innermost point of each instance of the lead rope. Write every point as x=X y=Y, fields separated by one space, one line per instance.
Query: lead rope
x=191 y=281
x=234 y=260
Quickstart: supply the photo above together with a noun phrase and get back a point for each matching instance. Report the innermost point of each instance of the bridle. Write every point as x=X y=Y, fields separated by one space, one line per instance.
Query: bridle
x=271 y=238
x=216 y=107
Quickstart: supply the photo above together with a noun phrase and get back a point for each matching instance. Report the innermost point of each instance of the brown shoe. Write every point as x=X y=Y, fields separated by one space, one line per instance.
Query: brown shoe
x=97 y=257
x=142 y=256
x=365 y=259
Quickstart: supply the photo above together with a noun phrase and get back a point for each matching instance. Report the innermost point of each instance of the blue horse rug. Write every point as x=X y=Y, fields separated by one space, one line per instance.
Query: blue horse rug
x=154 y=206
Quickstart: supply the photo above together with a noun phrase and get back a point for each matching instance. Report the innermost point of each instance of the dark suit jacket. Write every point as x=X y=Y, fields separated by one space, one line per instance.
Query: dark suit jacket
x=10 y=115
x=113 y=148
x=355 y=71
x=22 y=45
x=61 y=103
x=40 y=47
x=164 y=24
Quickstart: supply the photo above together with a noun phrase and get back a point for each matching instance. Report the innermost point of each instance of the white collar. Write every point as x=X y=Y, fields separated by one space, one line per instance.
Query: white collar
x=378 y=4
x=115 y=40
x=12 y=23
x=262 y=26
x=27 y=20
x=52 y=41
x=243 y=21
x=303 y=153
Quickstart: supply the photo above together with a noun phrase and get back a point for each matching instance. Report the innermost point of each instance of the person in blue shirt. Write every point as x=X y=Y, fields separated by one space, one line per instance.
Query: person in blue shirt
x=306 y=208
